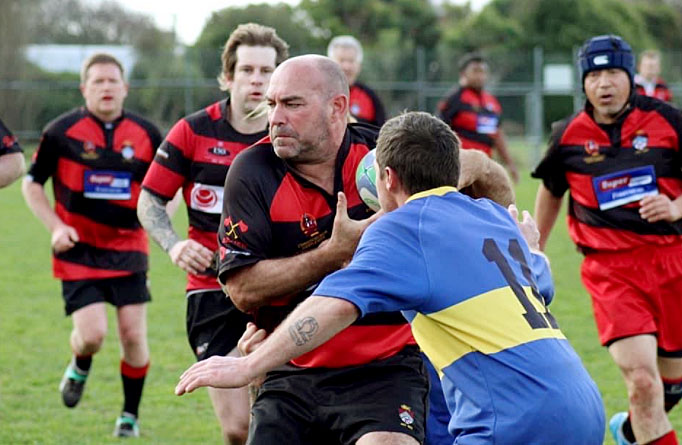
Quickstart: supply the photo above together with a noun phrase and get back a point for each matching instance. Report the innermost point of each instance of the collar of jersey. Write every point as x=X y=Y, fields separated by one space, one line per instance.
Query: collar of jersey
x=438 y=191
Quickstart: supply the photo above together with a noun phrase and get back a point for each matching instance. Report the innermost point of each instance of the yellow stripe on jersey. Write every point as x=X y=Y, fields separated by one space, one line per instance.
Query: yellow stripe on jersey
x=438 y=191
x=488 y=323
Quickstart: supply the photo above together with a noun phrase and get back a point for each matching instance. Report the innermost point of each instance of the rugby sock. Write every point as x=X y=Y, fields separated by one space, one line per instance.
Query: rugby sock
x=133 y=382
x=627 y=430
x=672 y=389
x=82 y=363
x=667 y=439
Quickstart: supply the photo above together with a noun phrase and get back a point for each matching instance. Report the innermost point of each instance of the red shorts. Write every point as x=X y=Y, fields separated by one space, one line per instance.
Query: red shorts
x=637 y=292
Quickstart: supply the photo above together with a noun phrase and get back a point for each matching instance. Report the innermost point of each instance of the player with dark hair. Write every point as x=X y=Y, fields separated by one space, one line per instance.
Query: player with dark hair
x=365 y=105
x=196 y=156
x=472 y=289
x=620 y=160
x=474 y=114
x=12 y=164
x=97 y=156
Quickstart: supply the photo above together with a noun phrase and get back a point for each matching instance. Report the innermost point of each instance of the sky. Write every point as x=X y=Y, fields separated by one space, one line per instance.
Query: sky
x=189 y=17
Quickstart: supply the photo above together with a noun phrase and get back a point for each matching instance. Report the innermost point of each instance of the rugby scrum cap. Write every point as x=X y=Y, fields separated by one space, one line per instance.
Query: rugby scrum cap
x=607 y=51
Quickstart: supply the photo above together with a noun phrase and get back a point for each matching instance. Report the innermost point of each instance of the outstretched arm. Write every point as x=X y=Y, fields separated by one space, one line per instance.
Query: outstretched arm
x=312 y=323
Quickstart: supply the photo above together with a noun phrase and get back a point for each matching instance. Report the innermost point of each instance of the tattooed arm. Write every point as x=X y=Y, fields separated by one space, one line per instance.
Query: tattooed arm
x=312 y=323
x=187 y=254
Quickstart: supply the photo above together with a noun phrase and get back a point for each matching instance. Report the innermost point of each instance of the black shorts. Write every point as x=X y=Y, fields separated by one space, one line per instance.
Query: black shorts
x=214 y=324
x=326 y=405
x=120 y=291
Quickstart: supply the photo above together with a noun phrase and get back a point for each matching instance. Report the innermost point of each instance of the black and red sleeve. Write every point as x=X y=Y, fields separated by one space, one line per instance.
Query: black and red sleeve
x=551 y=169
x=245 y=232
x=449 y=107
x=44 y=161
x=171 y=165
x=8 y=142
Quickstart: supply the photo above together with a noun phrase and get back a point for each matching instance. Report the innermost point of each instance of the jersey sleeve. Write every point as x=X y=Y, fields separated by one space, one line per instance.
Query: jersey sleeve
x=551 y=169
x=387 y=273
x=8 y=142
x=448 y=108
x=245 y=232
x=170 y=167
x=44 y=161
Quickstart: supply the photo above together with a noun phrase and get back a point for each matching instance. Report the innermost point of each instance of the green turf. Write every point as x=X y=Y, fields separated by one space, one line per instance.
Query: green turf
x=34 y=334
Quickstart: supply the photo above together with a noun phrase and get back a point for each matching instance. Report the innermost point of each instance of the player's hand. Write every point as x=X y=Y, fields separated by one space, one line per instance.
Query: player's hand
x=346 y=232
x=216 y=372
x=191 y=256
x=251 y=339
x=64 y=238
x=527 y=226
x=659 y=208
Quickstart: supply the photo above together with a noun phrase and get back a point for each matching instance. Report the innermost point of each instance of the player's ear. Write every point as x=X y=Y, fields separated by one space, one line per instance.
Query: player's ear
x=393 y=182
x=339 y=105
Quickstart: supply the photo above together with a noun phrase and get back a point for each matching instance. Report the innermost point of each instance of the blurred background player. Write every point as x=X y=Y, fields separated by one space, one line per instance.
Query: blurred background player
x=647 y=80
x=97 y=156
x=365 y=105
x=196 y=156
x=474 y=114
x=12 y=164
x=619 y=159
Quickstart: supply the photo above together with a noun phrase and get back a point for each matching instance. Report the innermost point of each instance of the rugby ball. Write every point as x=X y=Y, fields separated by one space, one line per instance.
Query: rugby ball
x=366 y=181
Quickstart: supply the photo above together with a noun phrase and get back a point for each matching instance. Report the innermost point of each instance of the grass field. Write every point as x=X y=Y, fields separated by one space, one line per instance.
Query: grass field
x=34 y=343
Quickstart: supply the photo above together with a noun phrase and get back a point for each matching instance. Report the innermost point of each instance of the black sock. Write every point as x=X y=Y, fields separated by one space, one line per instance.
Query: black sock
x=627 y=430
x=133 y=383
x=83 y=363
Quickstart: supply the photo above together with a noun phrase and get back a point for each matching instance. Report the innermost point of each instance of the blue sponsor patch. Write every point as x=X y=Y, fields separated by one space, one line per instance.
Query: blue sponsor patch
x=106 y=184
x=625 y=186
x=487 y=123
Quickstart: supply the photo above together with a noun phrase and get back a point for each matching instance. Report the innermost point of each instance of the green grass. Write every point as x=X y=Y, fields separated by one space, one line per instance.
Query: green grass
x=34 y=334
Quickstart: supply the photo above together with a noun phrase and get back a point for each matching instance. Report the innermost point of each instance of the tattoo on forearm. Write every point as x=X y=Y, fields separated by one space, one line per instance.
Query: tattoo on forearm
x=303 y=330
x=151 y=210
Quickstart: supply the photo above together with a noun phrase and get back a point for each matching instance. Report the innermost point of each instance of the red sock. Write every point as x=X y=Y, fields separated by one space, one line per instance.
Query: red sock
x=667 y=439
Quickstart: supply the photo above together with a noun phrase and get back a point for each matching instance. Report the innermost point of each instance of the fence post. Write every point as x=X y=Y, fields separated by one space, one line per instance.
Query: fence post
x=421 y=79
x=537 y=106
x=188 y=87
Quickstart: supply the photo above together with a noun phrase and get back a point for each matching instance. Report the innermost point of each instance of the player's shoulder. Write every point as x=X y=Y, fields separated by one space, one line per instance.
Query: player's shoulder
x=362 y=132
x=142 y=121
x=258 y=157
x=651 y=104
x=64 y=121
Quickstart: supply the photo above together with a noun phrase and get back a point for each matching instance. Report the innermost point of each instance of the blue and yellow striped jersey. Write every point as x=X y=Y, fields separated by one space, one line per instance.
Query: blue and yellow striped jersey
x=476 y=298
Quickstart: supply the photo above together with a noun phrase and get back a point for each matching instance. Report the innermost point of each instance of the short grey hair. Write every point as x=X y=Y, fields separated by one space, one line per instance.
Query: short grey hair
x=345 y=42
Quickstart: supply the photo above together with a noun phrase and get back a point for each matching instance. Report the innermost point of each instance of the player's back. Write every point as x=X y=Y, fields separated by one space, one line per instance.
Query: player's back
x=507 y=366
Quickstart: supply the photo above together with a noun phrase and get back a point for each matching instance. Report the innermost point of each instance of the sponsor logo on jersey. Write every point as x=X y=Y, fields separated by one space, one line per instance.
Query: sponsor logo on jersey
x=128 y=151
x=640 y=142
x=219 y=150
x=89 y=150
x=206 y=198
x=233 y=230
x=8 y=141
x=308 y=225
x=592 y=149
x=354 y=109
x=406 y=416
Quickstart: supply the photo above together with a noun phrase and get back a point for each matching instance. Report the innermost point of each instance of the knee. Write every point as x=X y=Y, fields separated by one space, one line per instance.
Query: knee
x=91 y=341
x=235 y=433
x=643 y=385
x=131 y=336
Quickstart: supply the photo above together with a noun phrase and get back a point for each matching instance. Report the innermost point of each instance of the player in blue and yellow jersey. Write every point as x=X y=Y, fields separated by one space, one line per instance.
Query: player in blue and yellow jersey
x=472 y=289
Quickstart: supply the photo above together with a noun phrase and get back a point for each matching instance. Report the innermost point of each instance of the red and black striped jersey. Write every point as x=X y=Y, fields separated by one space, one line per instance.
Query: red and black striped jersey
x=271 y=212
x=608 y=168
x=96 y=171
x=365 y=105
x=196 y=156
x=658 y=89
x=8 y=142
x=474 y=115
